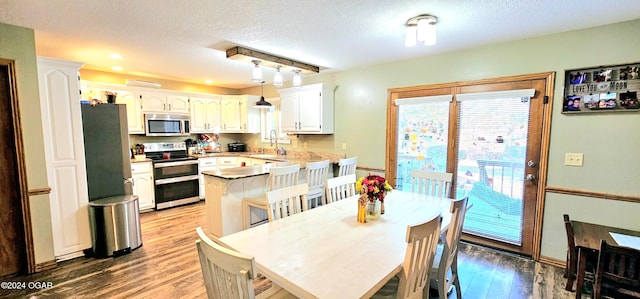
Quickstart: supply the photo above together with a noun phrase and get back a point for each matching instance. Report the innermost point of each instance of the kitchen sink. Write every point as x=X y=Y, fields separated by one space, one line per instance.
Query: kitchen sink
x=267 y=157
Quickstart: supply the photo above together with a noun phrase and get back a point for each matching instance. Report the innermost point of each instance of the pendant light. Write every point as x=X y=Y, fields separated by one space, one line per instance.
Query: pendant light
x=262 y=103
x=257 y=72
x=277 y=78
x=297 y=80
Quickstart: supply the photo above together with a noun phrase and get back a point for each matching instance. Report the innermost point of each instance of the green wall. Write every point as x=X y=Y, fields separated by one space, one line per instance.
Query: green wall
x=18 y=44
x=611 y=162
x=610 y=142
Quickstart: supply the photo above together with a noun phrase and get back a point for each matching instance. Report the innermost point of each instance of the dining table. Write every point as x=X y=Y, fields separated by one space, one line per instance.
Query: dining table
x=325 y=253
x=587 y=238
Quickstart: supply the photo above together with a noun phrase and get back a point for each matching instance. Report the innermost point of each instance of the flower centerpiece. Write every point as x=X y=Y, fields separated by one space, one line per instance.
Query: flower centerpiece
x=373 y=188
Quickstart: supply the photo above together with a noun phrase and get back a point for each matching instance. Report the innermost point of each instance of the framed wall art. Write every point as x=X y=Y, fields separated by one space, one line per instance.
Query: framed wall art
x=611 y=88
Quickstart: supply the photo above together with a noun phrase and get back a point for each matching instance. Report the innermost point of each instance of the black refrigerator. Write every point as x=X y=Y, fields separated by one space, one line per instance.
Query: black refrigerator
x=107 y=151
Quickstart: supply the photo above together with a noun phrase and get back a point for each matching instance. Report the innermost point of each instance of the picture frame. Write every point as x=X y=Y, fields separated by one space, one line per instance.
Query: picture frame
x=602 y=89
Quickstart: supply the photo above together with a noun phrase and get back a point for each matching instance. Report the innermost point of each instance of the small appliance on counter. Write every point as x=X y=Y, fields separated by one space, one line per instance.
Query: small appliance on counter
x=237 y=147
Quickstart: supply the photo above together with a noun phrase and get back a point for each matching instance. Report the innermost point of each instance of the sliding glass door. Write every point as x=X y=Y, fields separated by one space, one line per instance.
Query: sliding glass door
x=489 y=136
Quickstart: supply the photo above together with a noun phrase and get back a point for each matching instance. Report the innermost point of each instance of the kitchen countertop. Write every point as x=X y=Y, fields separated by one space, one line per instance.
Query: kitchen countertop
x=244 y=171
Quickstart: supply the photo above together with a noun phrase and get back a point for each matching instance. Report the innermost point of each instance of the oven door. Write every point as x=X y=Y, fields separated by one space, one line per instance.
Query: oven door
x=178 y=191
x=170 y=170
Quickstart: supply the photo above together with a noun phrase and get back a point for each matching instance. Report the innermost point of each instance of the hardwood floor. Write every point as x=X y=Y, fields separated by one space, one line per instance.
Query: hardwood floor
x=167 y=266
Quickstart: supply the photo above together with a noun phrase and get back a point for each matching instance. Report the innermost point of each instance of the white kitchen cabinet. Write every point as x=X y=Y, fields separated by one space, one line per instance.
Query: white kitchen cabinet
x=59 y=88
x=156 y=102
x=238 y=114
x=205 y=164
x=227 y=162
x=124 y=95
x=143 y=185
x=135 y=118
x=307 y=109
x=205 y=115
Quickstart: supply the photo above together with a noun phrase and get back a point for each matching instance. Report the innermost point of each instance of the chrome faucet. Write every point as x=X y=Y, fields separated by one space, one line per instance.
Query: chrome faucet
x=273 y=135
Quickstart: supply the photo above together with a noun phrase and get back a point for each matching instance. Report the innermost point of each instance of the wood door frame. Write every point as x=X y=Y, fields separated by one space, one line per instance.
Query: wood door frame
x=453 y=88
x=25 y=207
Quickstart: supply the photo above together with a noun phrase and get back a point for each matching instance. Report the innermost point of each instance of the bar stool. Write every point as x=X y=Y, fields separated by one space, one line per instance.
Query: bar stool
x=279 y=177
x=317 y=173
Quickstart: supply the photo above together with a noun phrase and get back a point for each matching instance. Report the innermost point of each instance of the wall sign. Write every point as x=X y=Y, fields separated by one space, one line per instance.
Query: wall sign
x=611 y=88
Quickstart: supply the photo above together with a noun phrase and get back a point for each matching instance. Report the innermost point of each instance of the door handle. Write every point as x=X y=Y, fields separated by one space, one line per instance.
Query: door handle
x=531 y=177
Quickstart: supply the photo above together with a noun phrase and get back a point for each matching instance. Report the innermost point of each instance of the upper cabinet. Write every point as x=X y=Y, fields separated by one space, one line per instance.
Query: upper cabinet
x=164 y=103
x=307 y=109
x=135 y=119
x=238 y=115
x=205 y=115
x=131 y=98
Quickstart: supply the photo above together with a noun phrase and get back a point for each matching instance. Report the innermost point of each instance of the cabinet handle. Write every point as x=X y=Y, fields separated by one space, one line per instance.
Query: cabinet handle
x=164 y=107
x=169 y=107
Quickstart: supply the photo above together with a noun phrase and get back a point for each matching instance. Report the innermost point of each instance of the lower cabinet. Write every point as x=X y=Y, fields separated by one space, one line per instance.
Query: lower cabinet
x=142 y=174
x=205 y=164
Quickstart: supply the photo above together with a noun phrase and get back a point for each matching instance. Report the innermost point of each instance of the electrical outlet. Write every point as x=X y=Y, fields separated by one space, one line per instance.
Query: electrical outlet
x=295 y=143
x=344 y=146
x=255 y=142
x=573 y=159
x=305 y=144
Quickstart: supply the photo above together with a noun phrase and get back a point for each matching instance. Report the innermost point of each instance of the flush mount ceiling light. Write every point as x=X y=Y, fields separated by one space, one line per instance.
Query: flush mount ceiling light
x=421 y=28
x=262 y=103
x=268 y=60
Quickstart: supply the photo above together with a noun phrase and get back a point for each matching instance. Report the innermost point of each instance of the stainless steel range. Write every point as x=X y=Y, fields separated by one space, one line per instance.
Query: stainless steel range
x=175 y=174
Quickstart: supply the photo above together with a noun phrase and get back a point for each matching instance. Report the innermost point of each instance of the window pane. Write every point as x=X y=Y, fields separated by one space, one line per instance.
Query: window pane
x=492 y=140
x=422 y=139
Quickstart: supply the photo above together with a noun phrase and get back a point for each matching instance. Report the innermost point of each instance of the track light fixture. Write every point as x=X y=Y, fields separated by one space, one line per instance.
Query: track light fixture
x=260 y=59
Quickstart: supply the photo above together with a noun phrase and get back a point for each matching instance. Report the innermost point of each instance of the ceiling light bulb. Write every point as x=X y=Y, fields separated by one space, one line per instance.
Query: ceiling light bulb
x=422 y=29
x=257 y=72
x=410 y=36
x=277 y=78
x=297 y=80
x=430 y=37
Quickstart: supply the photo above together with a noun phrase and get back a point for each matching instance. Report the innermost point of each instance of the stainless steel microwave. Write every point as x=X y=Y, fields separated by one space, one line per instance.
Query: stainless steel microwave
x=166 y=125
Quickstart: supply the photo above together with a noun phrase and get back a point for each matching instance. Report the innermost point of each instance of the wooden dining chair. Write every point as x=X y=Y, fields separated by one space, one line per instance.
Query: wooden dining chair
x=230 y=274
x=341 y=187
x=347 y=166
x=317 y=173
x=445 y=267
x=287 y=201
x=422 y=240
x=571 y=262
x=431 y=183
x=618 y=273
x=279 y=177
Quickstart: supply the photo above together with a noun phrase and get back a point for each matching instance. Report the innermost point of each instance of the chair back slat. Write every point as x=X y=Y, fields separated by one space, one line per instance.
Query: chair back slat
x=422 y=240
x=317 y=173
x=347 y=166
x=287 y=201
x=618 y=273
x=285 y=176
x=227 y=273
x=431 y=183
x=341 y=187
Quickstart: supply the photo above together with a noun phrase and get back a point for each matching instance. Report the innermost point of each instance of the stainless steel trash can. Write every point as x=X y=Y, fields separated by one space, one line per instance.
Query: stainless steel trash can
x=115 y=225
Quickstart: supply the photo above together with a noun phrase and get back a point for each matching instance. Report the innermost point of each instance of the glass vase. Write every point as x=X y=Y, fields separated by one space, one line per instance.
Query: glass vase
x=373 y=210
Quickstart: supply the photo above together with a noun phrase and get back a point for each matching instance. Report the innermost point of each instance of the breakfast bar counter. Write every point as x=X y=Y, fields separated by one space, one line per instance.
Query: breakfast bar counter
x=225 y=188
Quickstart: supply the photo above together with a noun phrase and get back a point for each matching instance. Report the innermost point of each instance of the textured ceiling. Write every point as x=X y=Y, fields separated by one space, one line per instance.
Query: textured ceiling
x=186 y=40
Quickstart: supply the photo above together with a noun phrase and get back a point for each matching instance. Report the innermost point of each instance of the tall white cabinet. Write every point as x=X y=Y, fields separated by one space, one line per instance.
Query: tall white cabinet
x=64 y=153
x=307 y=109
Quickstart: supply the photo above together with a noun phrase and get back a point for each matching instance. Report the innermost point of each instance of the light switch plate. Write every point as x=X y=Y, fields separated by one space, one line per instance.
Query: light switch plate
x=573 y=159
x=344 y=146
